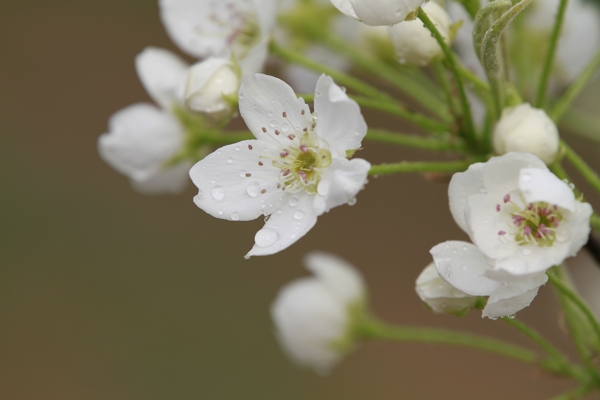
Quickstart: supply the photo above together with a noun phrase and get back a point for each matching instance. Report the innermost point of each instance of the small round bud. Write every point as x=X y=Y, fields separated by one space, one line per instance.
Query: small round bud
x=526 y=129
x=208 y=84
x=440 y=296
x=413 y=41
x=315 y=317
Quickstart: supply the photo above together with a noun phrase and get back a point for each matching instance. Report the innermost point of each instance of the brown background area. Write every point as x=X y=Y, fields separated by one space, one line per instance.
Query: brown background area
x=107 y=294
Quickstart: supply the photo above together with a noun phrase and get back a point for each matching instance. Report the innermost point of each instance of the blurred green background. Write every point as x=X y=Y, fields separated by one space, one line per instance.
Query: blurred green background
x=108 y=294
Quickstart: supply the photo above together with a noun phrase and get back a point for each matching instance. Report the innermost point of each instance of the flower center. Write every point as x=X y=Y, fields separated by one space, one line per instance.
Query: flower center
x=301 y=166
x=536 y=224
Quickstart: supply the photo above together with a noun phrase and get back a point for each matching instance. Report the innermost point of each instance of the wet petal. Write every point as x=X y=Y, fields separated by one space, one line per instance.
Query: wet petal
x=163 y=75
x=233 y=185
x=514 y=297
x=271 y=109
x=501 y=174
x=463 y=185
x=463 y=266
x=340 y=277
x=285 y=226
x=340 y=182
x=542 y=185
x=339 y=121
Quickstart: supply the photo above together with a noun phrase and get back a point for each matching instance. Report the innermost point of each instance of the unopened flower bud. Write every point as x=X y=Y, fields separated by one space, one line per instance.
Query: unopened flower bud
x=440 y=296
x=315 y=317
x=378 y=12
x=527 y=130
x=209 y=84
x=413 y=41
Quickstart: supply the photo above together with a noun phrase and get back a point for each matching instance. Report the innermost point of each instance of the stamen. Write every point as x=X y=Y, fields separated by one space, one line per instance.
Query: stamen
x=263 y=191
x=498 y=208
x=249 y=147
x=507 y=198
x=277 y=132
x=304 y=148
x=260 y=164
x=264 y=129
x=302 y=175
x=291 y=136
x=284 y=114
x=501 y=233
x=284 y=154
x=248 y=175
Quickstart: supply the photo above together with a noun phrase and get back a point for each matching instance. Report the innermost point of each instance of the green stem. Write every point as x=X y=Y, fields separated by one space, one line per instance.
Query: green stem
x=452 y=64
x=558 y=362
x=595 y=222
x=407 y=166
x=588 y=173
x=410 y=87
x=374 y=329
x=380 y=135
x=582 y=124
x=571 y=295
x=442 y=78
x=548 y=63
x=340 y=77
x=563 y=104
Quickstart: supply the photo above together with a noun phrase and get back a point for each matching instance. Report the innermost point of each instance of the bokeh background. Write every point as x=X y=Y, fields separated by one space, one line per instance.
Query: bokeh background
x=108 y=294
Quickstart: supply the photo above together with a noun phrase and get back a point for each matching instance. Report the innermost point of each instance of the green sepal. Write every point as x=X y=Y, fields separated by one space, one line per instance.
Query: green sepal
x=454 y=28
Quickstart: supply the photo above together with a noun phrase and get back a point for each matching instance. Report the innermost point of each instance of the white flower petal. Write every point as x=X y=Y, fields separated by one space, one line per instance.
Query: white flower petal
x=266 y=11
x=255 y=60
x=531 y=259
x=463 y=266
x=484 y=224
x=384 y=12
x=339 y=277
x=501 y=174
x=579 y=226
x=339 y=121
x=346 y=7
x=341 y=182
x=284 y=228
x=207 y=82
x=463 y=185
x=140 y=140
x=268 y=104
x=163 y=75
x=514 y=297
x=439 y=295
x=231 y=182
x=542 y=185
x=309 y=319
x=171 y=180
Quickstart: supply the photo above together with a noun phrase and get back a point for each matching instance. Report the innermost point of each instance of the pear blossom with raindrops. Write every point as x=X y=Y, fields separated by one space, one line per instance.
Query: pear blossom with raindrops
x=295 y=170
x=495 y=92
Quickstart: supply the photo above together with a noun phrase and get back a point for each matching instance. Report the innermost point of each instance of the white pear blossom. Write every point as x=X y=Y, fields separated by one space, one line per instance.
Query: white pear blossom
x=378 y=12
x=518 y=213
x=315 y=316
x=440 y=296
x=466 y=268
x=205 y=28
x=142 y=138
x=294 y=171
x=209 y=84
x=526 y=129
x=413 y=41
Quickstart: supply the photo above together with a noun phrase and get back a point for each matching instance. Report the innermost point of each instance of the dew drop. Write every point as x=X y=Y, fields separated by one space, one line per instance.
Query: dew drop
x=229 y=160
x=299 y=215
x=235 y=216
x=526 y=251
x=218 y=193
x=253 y=189
x=352 y=201
x=220 y=212
x=285 y=127
x=237 y=148
x=293 y=236
x=265 y=237
x=243 y=173
x=464 y=267
x=563 y=235
x=293 y=201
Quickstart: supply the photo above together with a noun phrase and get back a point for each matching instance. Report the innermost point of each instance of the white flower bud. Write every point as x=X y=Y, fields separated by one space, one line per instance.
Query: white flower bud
x=413 y=41
x=526 y=129
x=315 y=316
x=378 y=12
x=207 y=84
x=439 y=295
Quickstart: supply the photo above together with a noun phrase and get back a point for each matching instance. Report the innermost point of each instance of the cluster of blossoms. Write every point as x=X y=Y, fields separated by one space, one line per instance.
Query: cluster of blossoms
x=298 y=164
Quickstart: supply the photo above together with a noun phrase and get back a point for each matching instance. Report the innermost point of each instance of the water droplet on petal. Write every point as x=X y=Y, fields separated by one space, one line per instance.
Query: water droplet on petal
x=218 y=193
x=243 y=173
x=265 y=237
x=253 y=189
x=293 y=236
x=285 y=127
x=235 y=216
x=229 y=160
x=293 y=201
x=299 y=215
x=352 y=201
x=526 y=251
